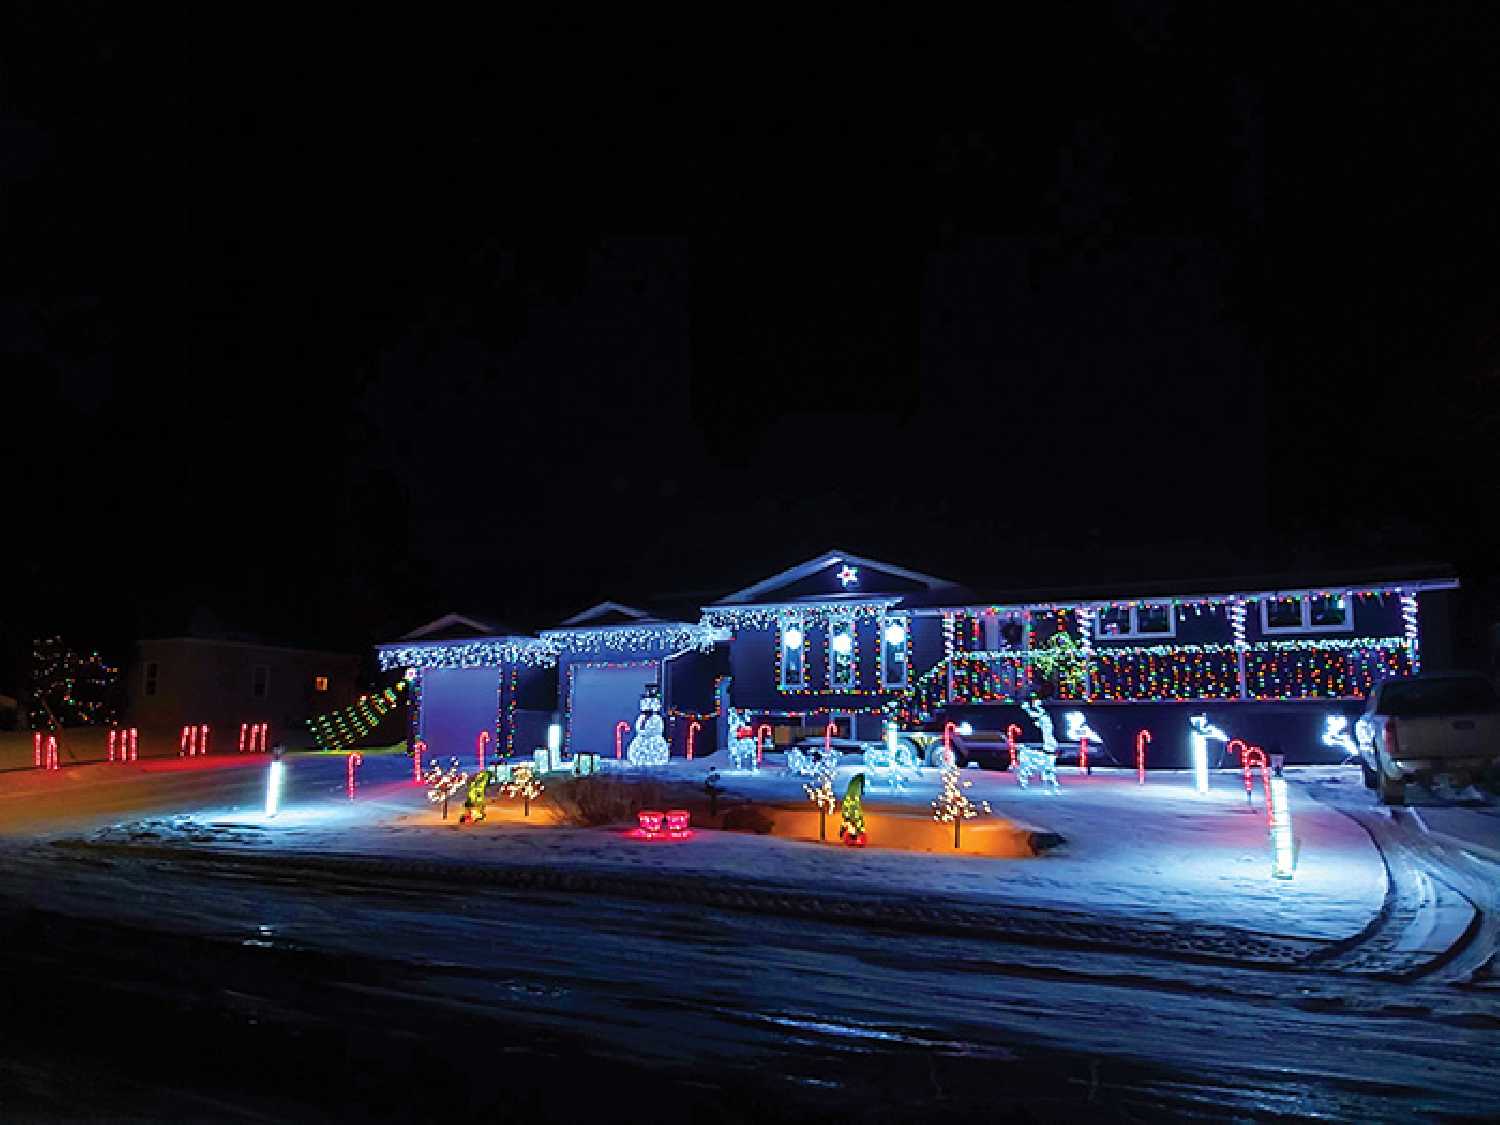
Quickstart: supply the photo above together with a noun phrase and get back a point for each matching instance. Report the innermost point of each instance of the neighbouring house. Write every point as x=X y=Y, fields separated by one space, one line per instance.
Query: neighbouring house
x=861 y=643
x=180 y=681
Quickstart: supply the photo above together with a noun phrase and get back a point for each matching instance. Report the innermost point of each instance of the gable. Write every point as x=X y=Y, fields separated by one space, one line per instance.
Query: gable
x=837 y=574
x=607 y=613
x=451 y=627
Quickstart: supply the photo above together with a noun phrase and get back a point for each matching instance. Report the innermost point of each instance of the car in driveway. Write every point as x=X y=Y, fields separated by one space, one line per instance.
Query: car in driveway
x=1421 y=729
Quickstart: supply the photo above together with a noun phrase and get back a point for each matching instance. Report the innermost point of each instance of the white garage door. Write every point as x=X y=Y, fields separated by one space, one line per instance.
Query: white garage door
x=603 y=697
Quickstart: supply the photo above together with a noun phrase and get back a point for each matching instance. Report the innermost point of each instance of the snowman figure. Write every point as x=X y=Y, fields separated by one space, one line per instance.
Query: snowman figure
x=648 y=747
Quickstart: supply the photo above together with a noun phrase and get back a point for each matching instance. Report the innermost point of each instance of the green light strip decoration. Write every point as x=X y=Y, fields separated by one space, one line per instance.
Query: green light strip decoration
x=348 y=726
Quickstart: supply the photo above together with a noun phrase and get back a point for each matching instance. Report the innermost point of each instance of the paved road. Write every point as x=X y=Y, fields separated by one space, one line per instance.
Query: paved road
x=331 y=991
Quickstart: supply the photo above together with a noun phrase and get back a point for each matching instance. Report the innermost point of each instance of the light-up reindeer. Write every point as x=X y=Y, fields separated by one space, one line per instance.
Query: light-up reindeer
x=1042 y=762
x=891 y=760
x=1336 y=734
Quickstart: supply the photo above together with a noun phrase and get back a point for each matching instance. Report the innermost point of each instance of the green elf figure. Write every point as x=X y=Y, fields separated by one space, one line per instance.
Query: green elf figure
x=852 y=831
x=474 y=799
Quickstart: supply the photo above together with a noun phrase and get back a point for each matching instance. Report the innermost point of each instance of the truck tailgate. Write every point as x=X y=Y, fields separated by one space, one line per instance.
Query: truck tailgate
x=1449 y=736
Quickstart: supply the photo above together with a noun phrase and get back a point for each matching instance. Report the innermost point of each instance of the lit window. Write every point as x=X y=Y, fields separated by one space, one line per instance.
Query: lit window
x=260 y=681
x=153 y=670
x=1122 y=622
x=1312 y=614
x=793 y=654
x=895 y=646
x=320 y=683
x=843 y=668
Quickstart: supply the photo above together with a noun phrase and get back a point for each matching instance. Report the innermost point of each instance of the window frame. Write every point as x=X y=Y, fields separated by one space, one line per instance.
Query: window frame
x=904 y=620
x=1135 y=633
x=151 y=678
x=790 y=622
x=1305 y=614
x=852 y=626
x=320 y=684
x=264 y=684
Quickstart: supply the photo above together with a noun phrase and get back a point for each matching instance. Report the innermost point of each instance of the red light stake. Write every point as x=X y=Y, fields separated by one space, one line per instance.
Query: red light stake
x=418 y=749
x=948 y=729
x=761 y=732
x=356 y=759
x=620 y=728
x=1012 y=732
x=1140 y=755
x=484 y=740
x=243 y=728
x=692 y=731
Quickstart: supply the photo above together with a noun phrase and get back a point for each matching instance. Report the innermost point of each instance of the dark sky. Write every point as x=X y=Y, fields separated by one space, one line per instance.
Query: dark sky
x=332 y=330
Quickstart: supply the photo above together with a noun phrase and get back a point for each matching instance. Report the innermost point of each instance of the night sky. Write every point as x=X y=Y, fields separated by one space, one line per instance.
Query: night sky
x=329 y=331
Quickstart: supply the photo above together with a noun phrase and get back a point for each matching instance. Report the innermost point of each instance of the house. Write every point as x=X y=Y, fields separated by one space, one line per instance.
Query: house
x=222 y=682
x=861 y=643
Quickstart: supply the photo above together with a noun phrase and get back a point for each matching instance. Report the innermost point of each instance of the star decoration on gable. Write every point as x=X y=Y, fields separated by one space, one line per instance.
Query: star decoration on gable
x=849 y=576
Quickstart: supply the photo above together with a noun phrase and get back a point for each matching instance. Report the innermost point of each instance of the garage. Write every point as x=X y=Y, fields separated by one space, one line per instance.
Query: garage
x=458 y=703
x=602 y=695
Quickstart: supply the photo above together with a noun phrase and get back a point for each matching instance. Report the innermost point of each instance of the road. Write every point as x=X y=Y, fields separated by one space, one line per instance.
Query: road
x=324 y=990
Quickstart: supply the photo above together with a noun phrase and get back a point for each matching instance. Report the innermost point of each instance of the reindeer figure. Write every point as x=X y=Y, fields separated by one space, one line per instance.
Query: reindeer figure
x=1030 y=760
x=1336 y=734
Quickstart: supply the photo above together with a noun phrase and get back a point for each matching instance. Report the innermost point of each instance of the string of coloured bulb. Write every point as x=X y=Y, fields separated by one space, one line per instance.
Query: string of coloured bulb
x=337 y=730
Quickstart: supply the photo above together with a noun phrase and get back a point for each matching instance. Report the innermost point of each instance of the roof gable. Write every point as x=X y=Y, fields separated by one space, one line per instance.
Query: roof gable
x=453 y=626
x=834 y=574
x=607 y=613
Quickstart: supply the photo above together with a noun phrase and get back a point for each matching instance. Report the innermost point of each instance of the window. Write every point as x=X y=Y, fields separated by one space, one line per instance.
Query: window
x=320 y=683
x=260 y=681
x=1147 y=620
x=843 y=670
x=793 y=654
x=1003 y=634
x=153 y=670
x=1313 y=613
x=895 y=647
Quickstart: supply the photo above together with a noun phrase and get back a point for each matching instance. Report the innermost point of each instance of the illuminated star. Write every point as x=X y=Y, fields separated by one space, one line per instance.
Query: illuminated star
x=848 y=576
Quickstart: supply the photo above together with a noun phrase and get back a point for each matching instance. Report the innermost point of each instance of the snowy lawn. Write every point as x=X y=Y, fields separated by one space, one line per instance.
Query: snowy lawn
x=1157 y=851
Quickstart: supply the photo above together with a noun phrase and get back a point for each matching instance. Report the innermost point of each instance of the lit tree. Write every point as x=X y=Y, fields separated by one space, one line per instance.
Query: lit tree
x=952 y=804
x=852 y=830
x=820 y=791
x=443 y=784
x=524 y=783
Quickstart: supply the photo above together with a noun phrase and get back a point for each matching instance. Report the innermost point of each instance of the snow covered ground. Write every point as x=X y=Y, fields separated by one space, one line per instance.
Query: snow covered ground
x=1153 y=852
x=377 y=911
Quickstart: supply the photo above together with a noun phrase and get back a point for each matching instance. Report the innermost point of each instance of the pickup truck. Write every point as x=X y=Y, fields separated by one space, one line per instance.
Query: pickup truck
x=1425 y=728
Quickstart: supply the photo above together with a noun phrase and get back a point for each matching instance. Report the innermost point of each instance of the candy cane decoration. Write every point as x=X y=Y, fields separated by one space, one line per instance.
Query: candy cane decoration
x=134 y=747
x=760 y=732
x=828 y=738
x=693 y=730
x=187 y=743
x=356 y=760
x=1140 y=755
x=261 y=729
x=417 y=750
x=948 y=729
x=1253 y=757
x=48 y=759
x=112 y=733
x=203 y=731
x=1012 y=732
x=1083 y=753
x=620 y=728
x=36 y=749
x=1233 y=742
x=483 y=740
x=244 y=727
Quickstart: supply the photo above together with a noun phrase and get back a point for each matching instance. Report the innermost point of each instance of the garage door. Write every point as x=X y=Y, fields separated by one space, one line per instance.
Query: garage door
x=603 y=697
x=458 y=703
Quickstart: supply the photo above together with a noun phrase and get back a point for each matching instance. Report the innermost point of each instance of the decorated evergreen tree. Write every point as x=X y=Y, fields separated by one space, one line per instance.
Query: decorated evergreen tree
x=852 y=830
x=474 y=799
